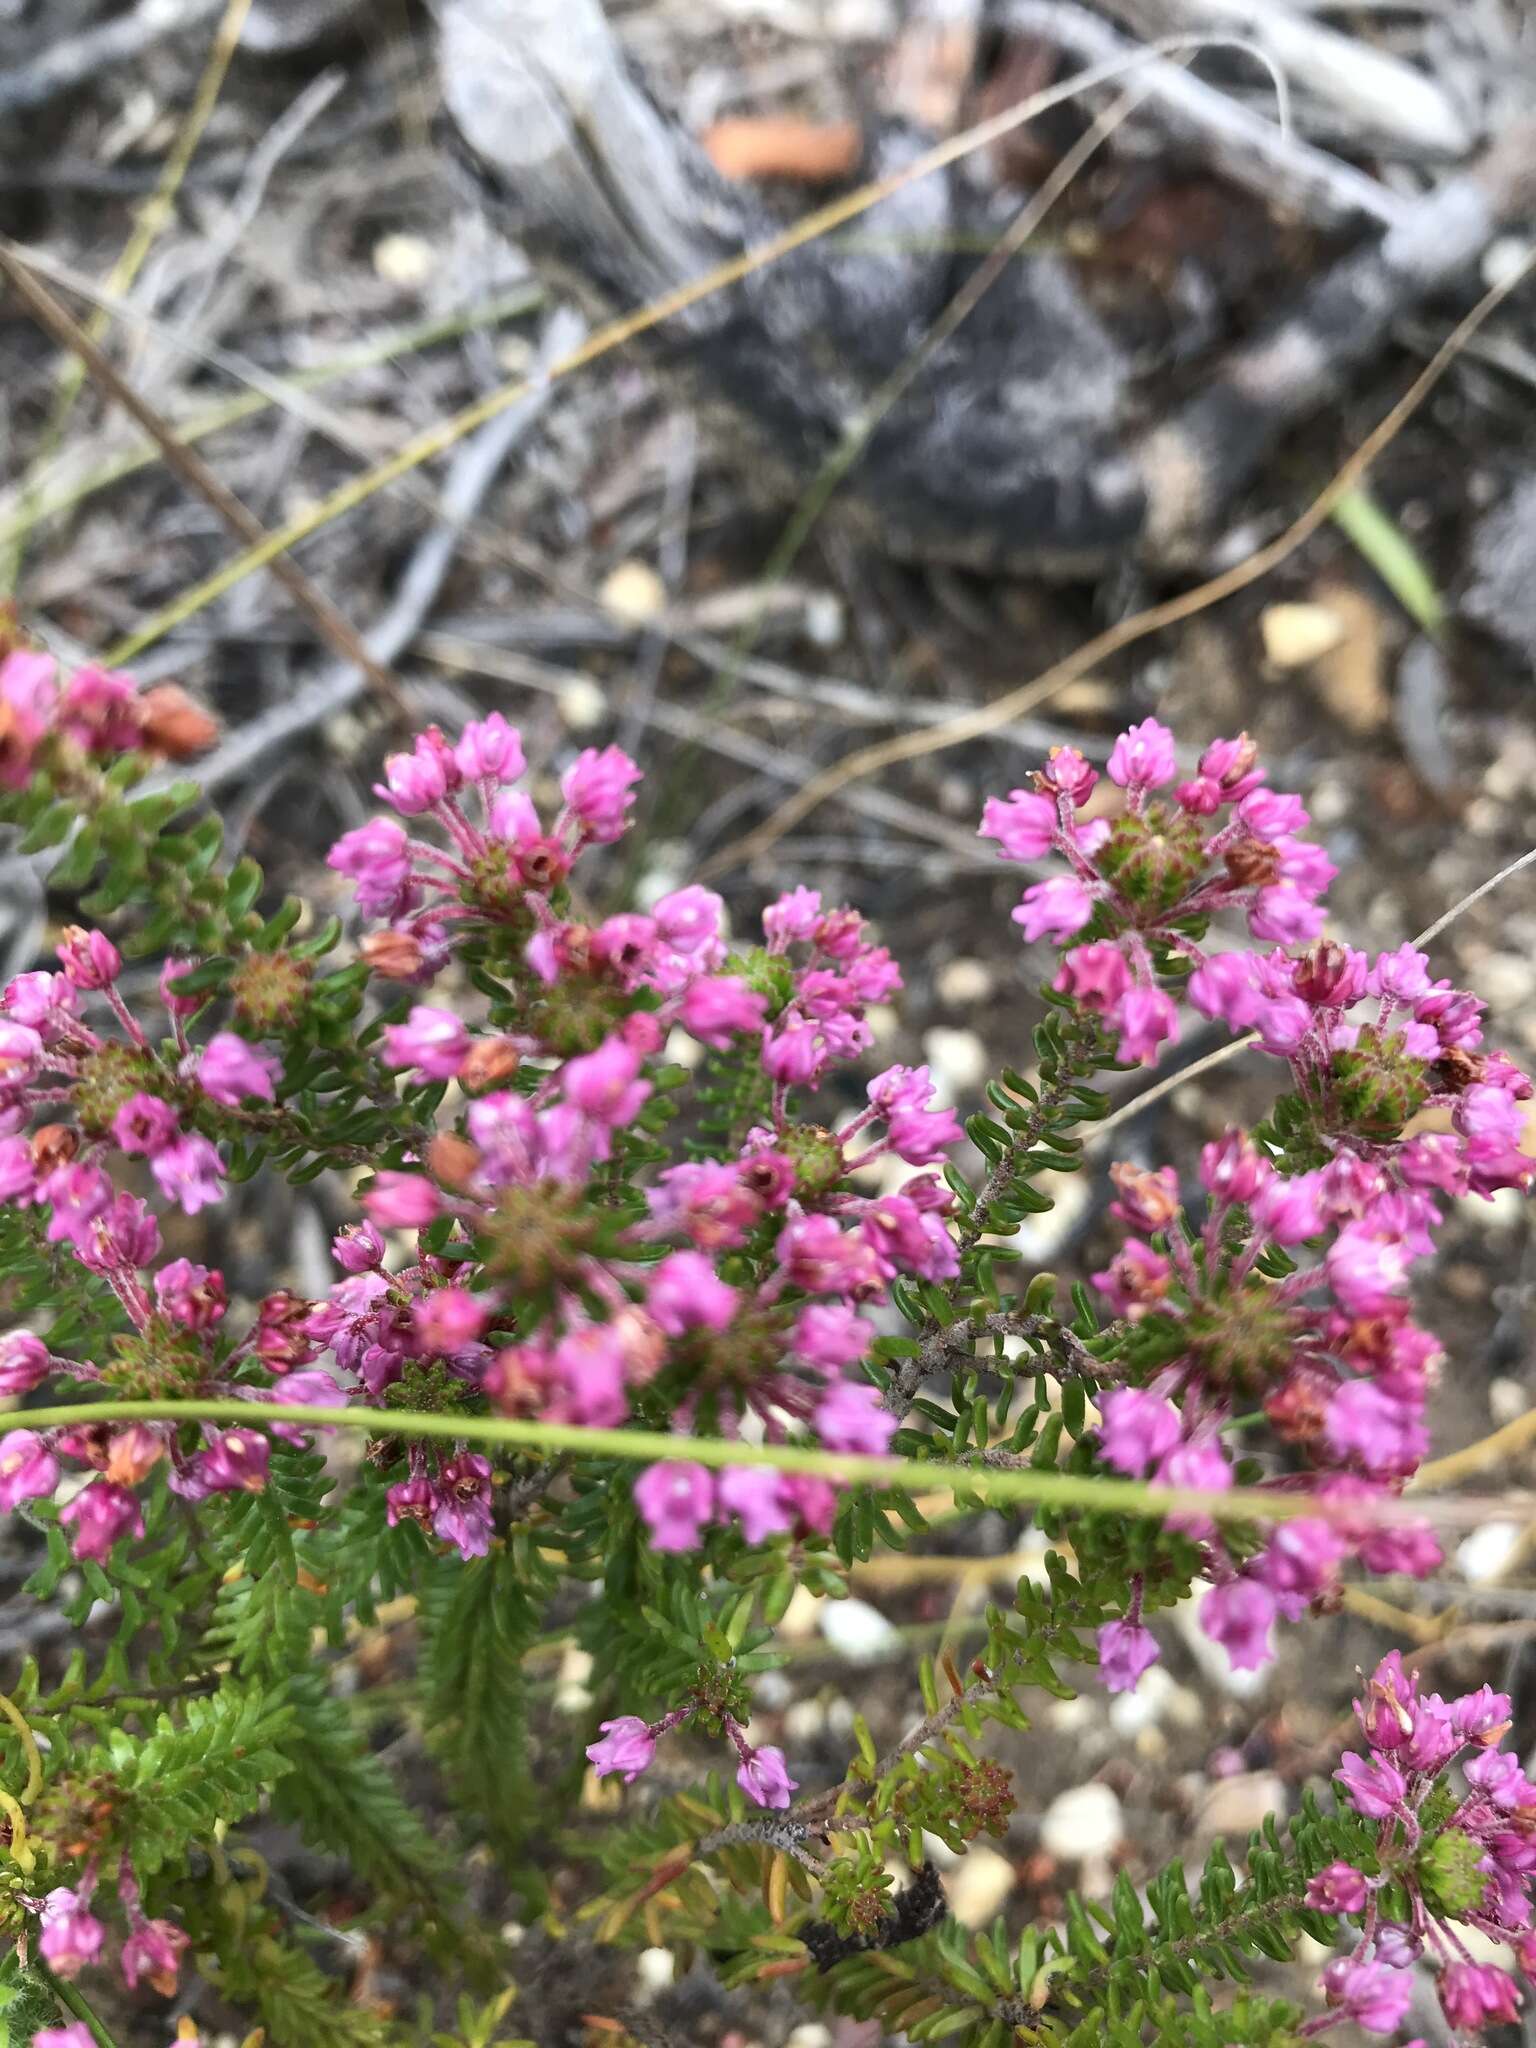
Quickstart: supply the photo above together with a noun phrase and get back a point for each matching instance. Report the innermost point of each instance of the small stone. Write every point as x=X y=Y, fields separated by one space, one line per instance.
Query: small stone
x=581 y=704
x=1507 y=1400
x=404 y=259
x=1296 y=634
x=1081 y=1824
x=655 y=1968
x=957 y=1061
x=804 y=1720
x=980 y=1885
x=634 y=593
x=961 y=982
x=1233 y=1807
x=1484 y=1554
x=812 y=2035
x=856 y=1630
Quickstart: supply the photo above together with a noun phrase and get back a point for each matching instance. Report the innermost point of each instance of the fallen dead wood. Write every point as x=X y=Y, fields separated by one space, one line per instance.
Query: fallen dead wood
x=1013 y=447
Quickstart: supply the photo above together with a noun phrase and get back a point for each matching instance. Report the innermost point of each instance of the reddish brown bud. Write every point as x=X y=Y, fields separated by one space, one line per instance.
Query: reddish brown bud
x=54 y=1145
x=488 y=1063
x=1149 y=1201
x=1253 y=864
x=1322 y=975
x=133 y=1454
x=1457 y=1069
x=453 y=1162
x=395 y=956
x=173 y=725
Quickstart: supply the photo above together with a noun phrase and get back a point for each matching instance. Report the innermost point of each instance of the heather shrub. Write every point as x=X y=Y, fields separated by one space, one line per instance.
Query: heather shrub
x=632 y=1335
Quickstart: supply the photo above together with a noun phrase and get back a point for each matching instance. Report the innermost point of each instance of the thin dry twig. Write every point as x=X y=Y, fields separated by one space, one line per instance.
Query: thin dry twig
x=1171 y=611
x=333 y=627
x=437 y=439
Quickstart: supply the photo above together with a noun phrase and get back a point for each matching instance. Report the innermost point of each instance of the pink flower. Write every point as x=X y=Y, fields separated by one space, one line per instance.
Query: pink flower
x=1138 y=1429
x=1364 y=1421
x=604 y=1084
x=1057 y=909
x=433 y=1042
x=462 y=1515
x=1373 y=1995
x=358 y=1248
x=1374 y=1789
x=377 y=856
x=627 y=1747
x=21 y=1053
x=795 y=1053
x=598 y=787
x=401 y=1201
x=42 y=1001
x=490 y=749
x=78 y=1195
x=145 y=1124
x=71 y=1934
x=1290 y=1210
x=76 y=2035
x=414 y=782
x=1366 y=1272
x=1338 y=1889
x=755 y=1496
x=190 y=1295
x=900 y=1088
x=235 y=1462
x=450 y=1318
x=1135 y=1280
x=685 y=1293
x=89 y=959
x=1223 y=987
x=849 y=1417
x=1240 y=1616
x=189 y=1172
x=690 y=920
x=1095 y=975
x=1477 y=1995
x=922 y=1136
x=588 y=1364
x=1285 y=915
x=831 y=1335
x=231 y=1069
x=1147 y=1017
x=793 y=917
x=720 y=1007
x=1024 y=825
x=153 y=1950
x=1126 y=1650
x=675 y=1499
x=822 y=1258
x=1066 y=769
x=99 y=1514
x=175 y=1005
x=1143 y=757
x=24 y=1362
x=18 y=1175
x=763 y=1777
x=28 y=1469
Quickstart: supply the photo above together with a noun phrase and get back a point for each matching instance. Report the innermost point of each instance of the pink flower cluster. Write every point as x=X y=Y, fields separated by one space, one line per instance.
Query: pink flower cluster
x=71 y=1938
x=94 y=715
x=1330 y=1354
x=1147 y=871
x=1467 y=1860
x=628 y=1747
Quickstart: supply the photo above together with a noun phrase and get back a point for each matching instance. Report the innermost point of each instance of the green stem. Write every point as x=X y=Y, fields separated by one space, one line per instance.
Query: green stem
x=74 y=2002
x=1039 y=1489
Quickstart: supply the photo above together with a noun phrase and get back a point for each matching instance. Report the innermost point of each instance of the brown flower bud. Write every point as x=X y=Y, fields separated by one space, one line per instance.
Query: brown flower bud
x=1457 y=1069
x=488 y=1063
x=395 y=956
x=133 y=1454
x=1253 y=864
x=452 y=1161
x=54 y=1145
x=173 y=725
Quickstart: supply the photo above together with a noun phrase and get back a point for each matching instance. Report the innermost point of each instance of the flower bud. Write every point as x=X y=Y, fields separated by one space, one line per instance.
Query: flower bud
x=170 y=723
x=393 y=955
x=488 y=1063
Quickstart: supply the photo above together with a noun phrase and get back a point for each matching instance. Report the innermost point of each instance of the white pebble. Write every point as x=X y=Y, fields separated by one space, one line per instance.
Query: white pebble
x=856 y=1630
x=957 y=1061
x=812 y=2035
x=655 y=1969
x=979 y=1887
x=964 y=981
x=634 y=593
x=1085 y=1822
x=1487 y=1550
x=581 y=704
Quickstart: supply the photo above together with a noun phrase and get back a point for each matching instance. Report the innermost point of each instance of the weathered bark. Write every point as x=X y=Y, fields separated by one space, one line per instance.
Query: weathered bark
x=1012 y=447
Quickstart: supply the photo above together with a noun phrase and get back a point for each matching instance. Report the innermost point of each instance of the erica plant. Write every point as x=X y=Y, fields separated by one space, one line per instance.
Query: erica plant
x=631 y=1335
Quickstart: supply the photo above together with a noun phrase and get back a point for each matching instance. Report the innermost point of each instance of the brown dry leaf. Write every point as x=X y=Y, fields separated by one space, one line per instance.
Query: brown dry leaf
x=783 y=146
